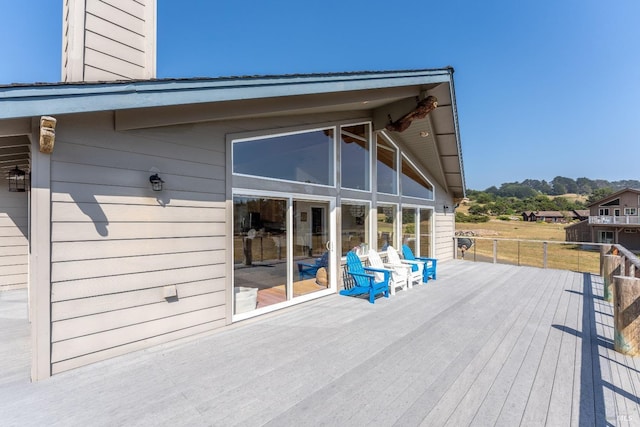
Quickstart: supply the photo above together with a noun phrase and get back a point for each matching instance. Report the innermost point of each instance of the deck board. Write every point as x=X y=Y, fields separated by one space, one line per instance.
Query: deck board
x=483 y=345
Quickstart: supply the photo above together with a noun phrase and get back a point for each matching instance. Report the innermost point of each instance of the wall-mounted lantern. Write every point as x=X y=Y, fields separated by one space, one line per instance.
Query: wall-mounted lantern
x=17 y=180
x=156 y=182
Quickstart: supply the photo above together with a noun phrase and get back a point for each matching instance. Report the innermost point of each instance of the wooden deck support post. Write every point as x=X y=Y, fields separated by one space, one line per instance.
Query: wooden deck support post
x=626 y=315
x=495 y=251
x=604 y=250
x=611 y=266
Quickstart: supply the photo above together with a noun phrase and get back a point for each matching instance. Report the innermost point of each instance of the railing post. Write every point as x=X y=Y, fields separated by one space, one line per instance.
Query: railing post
x=475 y=246
x=455 y=247
x=544 y=254
x=626 y=315
x=495 y=251
x=629 y=268
x=612 y=266
x=604 y=250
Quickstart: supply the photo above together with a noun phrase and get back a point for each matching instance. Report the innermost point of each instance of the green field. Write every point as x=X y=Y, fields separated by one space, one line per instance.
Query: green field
x=527 y=247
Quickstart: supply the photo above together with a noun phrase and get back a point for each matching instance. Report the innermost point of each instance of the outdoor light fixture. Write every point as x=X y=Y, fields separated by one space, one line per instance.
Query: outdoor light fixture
x=156 y=182
x=17 y=181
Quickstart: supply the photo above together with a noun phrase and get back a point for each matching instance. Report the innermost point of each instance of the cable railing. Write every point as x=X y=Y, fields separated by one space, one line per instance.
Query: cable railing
x=574 y=256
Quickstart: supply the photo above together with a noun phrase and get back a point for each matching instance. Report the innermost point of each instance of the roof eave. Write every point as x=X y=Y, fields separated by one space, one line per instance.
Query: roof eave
x=39 y=99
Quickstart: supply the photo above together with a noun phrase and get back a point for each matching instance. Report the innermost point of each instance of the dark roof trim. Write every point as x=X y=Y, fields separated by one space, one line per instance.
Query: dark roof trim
x=62 y=98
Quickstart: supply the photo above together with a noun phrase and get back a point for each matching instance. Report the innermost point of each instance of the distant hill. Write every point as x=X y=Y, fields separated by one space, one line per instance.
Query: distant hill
x=560 y=185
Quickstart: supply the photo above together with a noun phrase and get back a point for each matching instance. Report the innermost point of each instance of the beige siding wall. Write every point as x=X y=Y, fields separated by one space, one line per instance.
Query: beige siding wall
x=117 y=245
x=108 y=40
x=13 y=238
x=444 y=230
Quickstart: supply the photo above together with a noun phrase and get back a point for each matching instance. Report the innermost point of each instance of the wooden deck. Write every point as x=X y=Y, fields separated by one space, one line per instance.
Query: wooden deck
x=483 y=345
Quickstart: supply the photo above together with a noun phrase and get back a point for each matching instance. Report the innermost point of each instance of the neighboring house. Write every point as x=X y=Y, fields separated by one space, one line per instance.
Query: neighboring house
x=259 y=175
x=528 y=216
x=552 y=216
x=613 y=219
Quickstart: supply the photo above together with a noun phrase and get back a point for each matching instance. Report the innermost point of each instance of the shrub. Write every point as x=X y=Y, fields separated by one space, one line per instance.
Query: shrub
x=461 y=217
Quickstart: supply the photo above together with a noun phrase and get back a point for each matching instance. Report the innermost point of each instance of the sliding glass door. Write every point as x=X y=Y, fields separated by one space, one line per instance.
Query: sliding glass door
x=281 y=250
x=417 y=229
x=311 y=246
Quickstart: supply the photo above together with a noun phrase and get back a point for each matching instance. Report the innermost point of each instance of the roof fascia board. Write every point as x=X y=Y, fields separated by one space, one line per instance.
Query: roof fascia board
x=454 y=107
x=34 y=100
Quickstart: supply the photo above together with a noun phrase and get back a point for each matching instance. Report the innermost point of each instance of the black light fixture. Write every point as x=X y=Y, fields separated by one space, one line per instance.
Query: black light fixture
x=156 y=182
x=16 y=180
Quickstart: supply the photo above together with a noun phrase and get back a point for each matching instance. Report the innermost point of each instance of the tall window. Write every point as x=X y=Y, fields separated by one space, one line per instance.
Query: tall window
x=413 y=183
x=355 y=156
x=387 y=219
x=303 y=157
x=409 y=225
x=260 y=244
x=355 y=227
x=425 y=232
x=387 y=164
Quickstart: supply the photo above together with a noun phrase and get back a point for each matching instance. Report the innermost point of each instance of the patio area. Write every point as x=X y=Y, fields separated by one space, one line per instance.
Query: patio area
x=485 y=344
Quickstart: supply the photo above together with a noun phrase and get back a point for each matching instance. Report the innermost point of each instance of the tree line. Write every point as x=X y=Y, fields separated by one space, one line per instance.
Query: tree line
x=561 y=185
x=513 y=198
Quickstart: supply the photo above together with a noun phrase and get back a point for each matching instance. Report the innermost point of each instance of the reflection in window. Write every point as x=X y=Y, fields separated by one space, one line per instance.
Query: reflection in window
x=386 y=226
x=303 y=157
x=259 y=252
x=425 y=232
x=409 y=228
x=355 y=230
x=355 y=156
x=387 y=173
x=413 y=183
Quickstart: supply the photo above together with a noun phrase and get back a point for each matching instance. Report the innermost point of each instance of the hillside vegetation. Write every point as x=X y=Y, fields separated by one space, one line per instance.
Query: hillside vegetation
x=481 y=206
x=512 y=198
x=560 y=185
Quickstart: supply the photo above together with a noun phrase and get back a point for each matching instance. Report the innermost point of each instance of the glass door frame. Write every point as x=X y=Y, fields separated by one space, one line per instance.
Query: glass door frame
x=333 y=265
x=418 y=232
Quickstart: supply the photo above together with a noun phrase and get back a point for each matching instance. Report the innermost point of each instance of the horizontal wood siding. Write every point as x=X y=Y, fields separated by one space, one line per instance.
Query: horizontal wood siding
x=115 y=40
x=445 y=228
x=13 y=238
x=116 y=244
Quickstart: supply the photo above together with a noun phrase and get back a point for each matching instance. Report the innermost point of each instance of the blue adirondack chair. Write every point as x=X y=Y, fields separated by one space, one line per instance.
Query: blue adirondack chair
x=309 y=271
x=429 y=270
x=365 y=280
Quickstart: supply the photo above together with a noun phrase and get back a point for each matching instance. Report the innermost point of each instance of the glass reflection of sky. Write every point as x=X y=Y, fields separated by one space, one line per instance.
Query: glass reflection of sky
x=303 y=157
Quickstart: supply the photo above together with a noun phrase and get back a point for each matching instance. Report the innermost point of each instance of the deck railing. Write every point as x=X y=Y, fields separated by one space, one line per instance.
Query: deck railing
x=620 y=270
x=575 y=256
x=625 y=219
x=630 y=264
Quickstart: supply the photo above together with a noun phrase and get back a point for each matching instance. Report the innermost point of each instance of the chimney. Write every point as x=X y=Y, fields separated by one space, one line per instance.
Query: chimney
x=108 y=40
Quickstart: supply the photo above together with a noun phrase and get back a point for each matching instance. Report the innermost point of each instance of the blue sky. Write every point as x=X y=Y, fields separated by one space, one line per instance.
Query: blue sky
x=544 y=88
